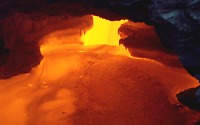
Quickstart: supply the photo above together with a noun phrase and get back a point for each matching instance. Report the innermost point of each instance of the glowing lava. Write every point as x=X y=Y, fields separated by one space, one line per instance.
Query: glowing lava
x=103 y=32
x=77 y=84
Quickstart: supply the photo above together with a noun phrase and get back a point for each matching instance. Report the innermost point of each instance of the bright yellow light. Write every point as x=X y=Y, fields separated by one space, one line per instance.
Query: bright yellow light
x=104 y=32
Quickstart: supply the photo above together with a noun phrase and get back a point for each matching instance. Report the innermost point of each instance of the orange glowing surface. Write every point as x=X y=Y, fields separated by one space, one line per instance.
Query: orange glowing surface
x=104 y=32
x=76 y=83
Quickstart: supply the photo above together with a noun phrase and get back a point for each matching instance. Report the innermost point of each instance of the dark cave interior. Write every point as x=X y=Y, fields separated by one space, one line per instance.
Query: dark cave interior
x=168 y=33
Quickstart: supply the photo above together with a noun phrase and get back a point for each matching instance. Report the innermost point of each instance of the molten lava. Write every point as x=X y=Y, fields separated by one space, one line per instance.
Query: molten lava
x=103 y=32
x=82 y=85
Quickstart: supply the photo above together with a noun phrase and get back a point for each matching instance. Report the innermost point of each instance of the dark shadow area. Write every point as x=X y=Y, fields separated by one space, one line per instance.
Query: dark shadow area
x=188 y=98
x=4 y=52
x=197 y=123
x=142 y=41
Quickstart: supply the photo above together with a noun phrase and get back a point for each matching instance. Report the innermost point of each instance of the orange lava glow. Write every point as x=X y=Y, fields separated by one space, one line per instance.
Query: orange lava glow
x=90 y=84
x=103 y=32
